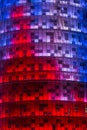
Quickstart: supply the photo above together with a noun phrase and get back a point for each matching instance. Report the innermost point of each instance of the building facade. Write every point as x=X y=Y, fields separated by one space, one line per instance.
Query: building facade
x=43 y=65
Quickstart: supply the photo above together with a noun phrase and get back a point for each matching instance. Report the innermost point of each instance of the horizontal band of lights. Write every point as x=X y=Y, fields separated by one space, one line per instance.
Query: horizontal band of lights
x=43 y=65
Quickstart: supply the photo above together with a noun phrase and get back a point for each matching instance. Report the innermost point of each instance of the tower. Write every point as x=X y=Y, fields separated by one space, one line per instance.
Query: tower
x=43 y=65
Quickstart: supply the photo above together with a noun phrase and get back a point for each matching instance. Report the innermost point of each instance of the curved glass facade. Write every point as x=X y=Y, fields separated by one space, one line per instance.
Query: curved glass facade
x=43 y=64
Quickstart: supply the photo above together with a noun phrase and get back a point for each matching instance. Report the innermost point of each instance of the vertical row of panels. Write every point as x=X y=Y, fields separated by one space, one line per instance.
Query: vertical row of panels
x=43 y=65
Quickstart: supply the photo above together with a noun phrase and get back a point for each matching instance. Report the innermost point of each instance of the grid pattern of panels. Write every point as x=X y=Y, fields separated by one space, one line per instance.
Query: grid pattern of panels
x=45 y=29
x=46 y=123
x=43 y=65
x=43 y=105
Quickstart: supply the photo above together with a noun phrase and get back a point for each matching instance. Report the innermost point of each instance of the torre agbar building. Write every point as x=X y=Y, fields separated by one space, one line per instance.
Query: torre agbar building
x=43 y=64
